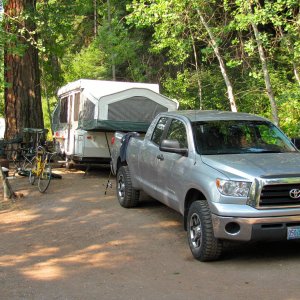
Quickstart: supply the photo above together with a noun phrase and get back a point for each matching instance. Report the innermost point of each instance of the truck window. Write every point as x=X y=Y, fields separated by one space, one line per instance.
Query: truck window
x=177 y=132
x=63 y=115
x=158 y=131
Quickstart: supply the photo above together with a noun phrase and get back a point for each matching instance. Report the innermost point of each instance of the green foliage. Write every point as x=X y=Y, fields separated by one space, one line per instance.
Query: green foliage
x=47 y=117
x=88 y=63
x=163 y=41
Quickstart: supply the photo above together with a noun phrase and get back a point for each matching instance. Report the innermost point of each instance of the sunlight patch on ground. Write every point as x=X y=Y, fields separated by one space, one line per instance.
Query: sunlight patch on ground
x=13 y=260
x=59 y=209
x=21 y=217
x=93 y=256
x=44 y=271
x=47 y=264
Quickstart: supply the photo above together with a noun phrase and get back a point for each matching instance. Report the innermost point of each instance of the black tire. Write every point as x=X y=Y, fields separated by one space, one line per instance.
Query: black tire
x=127 y=195
x=203 y=244
x=44 y=179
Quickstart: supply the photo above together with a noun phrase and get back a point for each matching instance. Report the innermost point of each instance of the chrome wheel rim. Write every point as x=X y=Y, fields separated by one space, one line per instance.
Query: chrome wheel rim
x=195 y=230
x=121 y=187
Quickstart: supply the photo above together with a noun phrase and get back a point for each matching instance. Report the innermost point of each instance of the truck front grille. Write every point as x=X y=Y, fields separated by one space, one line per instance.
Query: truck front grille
x=280 y=195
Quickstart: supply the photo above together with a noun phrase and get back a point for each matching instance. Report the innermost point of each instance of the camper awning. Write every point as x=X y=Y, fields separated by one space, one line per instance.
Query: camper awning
x=112 y=126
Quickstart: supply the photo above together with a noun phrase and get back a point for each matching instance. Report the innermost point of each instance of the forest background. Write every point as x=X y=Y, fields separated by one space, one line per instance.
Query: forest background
x=228 y=55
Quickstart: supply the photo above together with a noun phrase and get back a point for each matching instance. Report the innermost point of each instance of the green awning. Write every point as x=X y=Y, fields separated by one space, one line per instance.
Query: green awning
x=112 y=126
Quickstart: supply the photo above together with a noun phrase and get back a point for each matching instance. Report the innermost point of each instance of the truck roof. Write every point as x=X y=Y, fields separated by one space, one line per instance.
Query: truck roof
x=211 y=115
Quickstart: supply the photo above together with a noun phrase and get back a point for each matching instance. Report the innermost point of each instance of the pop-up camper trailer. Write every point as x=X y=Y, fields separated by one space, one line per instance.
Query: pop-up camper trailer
x=89 y=111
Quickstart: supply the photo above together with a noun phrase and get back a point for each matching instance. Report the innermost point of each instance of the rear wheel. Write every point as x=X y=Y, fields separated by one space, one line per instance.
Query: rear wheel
x=44 y=178
x=203 y=244
x=127 y=195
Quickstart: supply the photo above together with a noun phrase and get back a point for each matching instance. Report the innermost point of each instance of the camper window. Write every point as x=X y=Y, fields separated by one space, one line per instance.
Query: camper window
x=76 y=106
x=63 y=116
x=89 y=110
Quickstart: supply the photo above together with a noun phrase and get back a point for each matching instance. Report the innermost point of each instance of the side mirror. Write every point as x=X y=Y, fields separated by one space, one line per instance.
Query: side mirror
x=172 y=146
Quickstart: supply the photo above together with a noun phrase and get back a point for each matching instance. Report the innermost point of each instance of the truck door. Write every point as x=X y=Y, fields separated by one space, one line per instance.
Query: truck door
x=149 y=161
x=172 y=166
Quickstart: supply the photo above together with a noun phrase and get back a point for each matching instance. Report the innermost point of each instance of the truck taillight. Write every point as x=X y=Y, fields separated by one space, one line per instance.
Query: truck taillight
x=112 y=140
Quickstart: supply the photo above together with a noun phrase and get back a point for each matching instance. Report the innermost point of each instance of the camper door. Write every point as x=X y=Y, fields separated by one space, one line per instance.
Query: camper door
x=71 y=105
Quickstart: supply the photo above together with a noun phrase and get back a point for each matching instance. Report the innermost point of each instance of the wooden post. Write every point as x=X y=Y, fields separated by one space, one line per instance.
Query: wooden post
x=8 y=193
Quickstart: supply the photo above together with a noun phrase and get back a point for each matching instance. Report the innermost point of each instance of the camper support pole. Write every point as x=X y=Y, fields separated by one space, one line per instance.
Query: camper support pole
x=108 y=184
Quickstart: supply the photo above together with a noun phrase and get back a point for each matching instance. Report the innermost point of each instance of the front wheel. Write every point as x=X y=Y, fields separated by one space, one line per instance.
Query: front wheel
x=127 y=195
x=203 y=244
x=44 y=178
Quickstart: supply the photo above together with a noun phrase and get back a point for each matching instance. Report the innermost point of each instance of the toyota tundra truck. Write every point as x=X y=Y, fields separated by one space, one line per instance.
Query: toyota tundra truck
x=232 y=176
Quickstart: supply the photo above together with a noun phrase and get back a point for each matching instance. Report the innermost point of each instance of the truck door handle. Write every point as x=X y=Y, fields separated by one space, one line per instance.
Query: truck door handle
x=160 y=157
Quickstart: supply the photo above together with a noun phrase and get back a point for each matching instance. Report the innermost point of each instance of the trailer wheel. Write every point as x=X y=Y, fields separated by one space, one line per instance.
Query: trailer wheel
x=127 y=195
x=203 y=244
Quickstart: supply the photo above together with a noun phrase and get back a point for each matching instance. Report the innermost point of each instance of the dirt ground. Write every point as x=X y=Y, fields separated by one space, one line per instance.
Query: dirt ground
x=75 y=242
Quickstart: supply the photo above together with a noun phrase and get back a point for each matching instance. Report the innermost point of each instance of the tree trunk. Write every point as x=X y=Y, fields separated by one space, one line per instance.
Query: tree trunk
x=266 y=74
x=297 y=76
x=113 y=65
x=23 y=106
x=221 y=63
x=196 y=67
x=95 y=19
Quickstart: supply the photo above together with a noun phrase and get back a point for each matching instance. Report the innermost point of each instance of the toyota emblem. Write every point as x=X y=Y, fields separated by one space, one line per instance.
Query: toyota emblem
x=295 y=193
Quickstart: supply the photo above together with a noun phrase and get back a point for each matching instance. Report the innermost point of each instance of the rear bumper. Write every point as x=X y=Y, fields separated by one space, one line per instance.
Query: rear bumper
x=253 y=229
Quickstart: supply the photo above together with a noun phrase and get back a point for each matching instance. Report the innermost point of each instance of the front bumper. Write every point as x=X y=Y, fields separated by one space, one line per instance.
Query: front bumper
x=253 y=229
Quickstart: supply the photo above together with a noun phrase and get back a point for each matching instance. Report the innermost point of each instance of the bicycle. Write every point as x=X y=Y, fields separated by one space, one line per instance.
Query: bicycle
x=41 y=169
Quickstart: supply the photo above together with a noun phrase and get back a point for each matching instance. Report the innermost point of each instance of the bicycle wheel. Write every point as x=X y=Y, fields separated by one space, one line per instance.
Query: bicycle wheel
x=32 y=174
x=44 y=178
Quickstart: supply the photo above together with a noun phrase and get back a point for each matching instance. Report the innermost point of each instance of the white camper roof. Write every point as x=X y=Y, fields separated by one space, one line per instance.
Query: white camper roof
x=100 y=88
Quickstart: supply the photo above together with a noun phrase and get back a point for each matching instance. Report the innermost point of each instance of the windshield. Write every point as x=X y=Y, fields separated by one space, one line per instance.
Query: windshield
x=237 y=137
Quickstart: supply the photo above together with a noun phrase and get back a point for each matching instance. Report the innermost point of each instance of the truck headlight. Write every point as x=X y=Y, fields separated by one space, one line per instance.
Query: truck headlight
x=233 y=188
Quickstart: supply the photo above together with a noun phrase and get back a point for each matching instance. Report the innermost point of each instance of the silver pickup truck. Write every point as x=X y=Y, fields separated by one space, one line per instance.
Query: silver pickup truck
x=233 y=176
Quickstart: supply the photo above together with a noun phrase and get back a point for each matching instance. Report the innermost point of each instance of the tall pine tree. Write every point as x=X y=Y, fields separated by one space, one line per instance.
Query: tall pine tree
x=23 y=107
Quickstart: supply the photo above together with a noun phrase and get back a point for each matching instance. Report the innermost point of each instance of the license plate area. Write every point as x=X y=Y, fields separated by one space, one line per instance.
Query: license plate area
x=293 y=232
